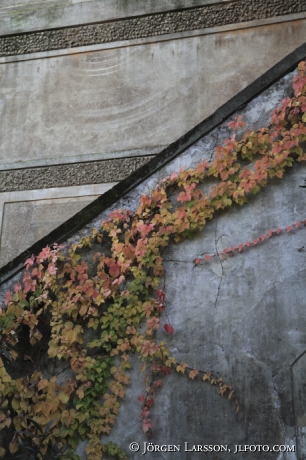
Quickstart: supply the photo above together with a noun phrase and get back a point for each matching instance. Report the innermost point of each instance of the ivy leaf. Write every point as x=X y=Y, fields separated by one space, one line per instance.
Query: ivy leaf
x=169 y=329
x=193 y=373
x=181 y=368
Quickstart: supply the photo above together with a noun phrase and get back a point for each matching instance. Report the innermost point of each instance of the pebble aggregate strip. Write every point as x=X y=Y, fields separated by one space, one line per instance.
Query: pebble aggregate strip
x=147 y=26
x=94 y=172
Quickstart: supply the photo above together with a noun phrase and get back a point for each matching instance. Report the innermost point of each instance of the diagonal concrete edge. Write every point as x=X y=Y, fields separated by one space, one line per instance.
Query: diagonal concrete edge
x=75 y=223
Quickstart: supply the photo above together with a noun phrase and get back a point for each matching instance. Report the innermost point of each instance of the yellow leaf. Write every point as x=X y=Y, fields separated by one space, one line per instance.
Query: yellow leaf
x=46 y=408
x=181 y=367
x=37 y=407
x=6 y=378
x=71 y=336
x=193 y=373
x=52 y=352
x=52 y=386
x=54 y=402
x=63 y=397
x=15 y=404
x=80 y=393
x=83 y=309
x=42 y=384
x=13 y=354
x=15 y=310
x=2 y=452
x=24 y=405
x=13 y=447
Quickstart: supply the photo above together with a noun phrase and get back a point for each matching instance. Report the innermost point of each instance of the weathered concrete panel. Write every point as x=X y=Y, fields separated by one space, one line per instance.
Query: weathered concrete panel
x=36 y=219
x=161 y=24
x=299 y=397
x=26 y=15
x=26 y=217
x=135 y=98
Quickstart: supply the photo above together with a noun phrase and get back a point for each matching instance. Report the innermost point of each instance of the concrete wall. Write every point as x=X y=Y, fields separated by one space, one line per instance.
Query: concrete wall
x=85 y=114
x=242 y=317
x=21 y=15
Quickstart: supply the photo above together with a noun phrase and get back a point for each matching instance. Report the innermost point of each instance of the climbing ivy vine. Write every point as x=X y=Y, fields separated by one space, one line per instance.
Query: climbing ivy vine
x=68 y=330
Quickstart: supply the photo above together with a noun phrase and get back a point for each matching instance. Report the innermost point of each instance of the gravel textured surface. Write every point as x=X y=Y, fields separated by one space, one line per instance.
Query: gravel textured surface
x=146 y=26
x=94 y=172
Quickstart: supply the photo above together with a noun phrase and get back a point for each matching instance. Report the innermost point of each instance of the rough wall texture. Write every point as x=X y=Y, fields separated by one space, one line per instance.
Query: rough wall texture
x=92 y=115
x=148 y=26
x=242 y=317
x=108 y=103
x=20 y=16
x=93 y=172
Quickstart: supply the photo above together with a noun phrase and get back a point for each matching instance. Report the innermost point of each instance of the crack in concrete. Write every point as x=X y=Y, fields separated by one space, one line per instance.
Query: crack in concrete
x=222 y=267
x=277 y=406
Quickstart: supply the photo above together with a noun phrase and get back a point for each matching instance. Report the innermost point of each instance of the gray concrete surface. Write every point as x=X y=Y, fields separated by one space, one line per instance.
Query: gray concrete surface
x=132 y=98
x=158 y=24
x=27 y=216
x=28 y=15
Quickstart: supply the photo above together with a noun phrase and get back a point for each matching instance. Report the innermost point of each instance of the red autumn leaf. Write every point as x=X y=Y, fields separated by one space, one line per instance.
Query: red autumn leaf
x=240 y=247
x=270 y=233
x=238 y=123
x=169 y=329
x=197 y=261
x=44 y=254
x=58 y=246
x=174 y=177
x=248 y=244
x=8 y=297
x=149 y=348
x=255 y=241
x=144 y=229
x=289 y=228
x=114 y=270
x=278 y=231
x=141 y=398
x=29 y=262
x=207 y=257
x=262 y=237
x=184 y=196
x=145 y=412
x=29 y=283
x=160 y=294
x=146 y=425
x=149 y=402
x=17 y=287
x=298 y=224
x=52 y=269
